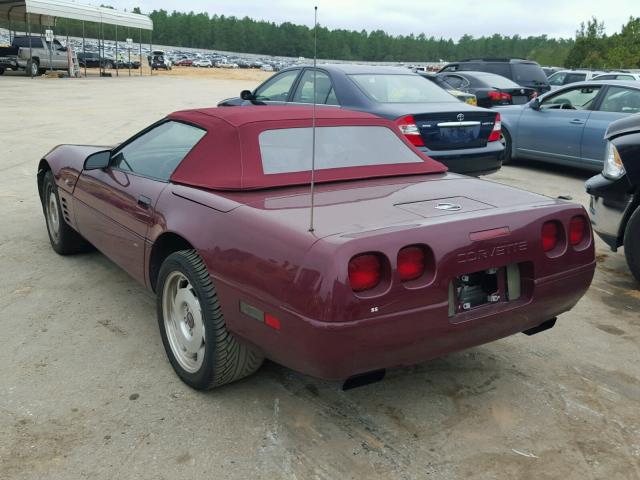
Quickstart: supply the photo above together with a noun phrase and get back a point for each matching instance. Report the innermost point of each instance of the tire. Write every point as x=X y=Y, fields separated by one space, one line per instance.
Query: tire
x=631 y=244
x=505 y=139
x=33 y=68
x=64 y=239
x=108 y=66
x=200 y=348
x=1 y=71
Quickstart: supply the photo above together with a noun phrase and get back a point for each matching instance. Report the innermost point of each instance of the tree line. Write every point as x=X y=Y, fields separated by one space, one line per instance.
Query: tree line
x=591 y=48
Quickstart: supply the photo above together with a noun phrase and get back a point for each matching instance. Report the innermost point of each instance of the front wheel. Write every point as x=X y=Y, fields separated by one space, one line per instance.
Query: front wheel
x=33 y=68
x=200 y=348
x=505 y=140
x=632 y=244
x=64 y=239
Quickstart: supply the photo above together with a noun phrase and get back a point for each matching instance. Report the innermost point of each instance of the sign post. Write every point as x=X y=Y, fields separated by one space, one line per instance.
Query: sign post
x=129 y=47
x=48 y=36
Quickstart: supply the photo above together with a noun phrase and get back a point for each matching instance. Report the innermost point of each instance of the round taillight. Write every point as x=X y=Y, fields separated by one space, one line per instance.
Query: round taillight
x=411 y=263
x=365 y=271
x=550 y=236
x=577 y=230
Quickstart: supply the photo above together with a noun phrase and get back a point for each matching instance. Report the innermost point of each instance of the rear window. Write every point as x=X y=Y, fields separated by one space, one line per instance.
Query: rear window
x=288 y=150
x=390 y=88
x=528 y=72
x=24 y=42
x=497 y=81
x=501 y=68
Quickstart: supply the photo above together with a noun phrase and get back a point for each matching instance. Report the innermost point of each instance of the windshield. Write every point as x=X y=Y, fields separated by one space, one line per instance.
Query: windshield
x=288 y=150
x=390 y=88
x=529 y=72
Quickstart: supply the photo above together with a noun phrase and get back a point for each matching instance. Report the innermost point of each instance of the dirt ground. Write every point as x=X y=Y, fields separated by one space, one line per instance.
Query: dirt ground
x=87 y=392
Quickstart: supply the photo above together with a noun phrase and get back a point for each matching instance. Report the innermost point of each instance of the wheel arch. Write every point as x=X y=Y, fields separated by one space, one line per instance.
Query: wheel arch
x=43 y=168
x=633 y=206
x=166 y=244
x=506 y=129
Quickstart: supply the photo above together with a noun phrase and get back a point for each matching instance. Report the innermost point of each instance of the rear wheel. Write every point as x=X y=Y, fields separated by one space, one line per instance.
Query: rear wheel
x=200 y=348
x=64 y=239
x=505 y=140
x=632 y=244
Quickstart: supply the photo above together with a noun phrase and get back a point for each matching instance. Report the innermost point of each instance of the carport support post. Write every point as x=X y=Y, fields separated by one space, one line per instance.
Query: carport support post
x=117 y=72
x=30 y=46
x=151 y=49
x=84 y=54
x=140 y=45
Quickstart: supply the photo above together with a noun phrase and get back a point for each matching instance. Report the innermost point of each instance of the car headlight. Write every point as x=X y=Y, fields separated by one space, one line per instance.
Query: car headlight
x=613 y=168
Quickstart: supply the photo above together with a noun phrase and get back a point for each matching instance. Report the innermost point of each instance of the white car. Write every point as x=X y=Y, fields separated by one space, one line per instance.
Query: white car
x=564 y=77
x=202 y=62
x=618 y=76
x=266 y=68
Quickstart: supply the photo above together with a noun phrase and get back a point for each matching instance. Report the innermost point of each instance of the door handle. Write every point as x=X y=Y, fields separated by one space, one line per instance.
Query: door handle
x=144 y=202
x=576 y=121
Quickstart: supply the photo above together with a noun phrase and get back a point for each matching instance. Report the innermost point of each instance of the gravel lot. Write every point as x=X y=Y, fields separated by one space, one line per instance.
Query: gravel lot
x=87 y=392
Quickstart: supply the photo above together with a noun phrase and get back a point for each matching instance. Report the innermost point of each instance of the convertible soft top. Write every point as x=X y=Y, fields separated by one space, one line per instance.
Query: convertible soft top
x=229 y=156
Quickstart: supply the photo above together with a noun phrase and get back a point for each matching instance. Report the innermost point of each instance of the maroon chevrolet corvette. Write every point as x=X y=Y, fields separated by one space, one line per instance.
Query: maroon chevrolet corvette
x=210 y=209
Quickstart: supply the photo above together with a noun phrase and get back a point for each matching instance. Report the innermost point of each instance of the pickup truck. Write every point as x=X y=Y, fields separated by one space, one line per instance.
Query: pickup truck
x=16 y=57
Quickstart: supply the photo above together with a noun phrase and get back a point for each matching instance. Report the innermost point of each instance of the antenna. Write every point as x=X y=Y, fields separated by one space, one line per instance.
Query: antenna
x=313 y=115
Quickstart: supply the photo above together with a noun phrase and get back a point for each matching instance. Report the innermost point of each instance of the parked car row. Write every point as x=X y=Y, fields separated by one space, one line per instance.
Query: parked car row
x=463 y=137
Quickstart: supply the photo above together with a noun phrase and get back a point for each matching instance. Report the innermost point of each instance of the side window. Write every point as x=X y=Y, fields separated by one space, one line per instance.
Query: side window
x=605 y=77
x=624 y=77
x=557 y=79
x=454 y=81
x=621 y=100
x=324 y=89
x=580 y=98
x=575 y=77
x=276 y=89
x=158 y=152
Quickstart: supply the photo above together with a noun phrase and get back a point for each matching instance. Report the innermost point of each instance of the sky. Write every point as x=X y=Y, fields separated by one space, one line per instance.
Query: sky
x=442 y=18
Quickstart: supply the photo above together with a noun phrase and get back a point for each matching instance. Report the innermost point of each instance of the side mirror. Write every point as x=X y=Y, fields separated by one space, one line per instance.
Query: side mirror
x=535 y=104
x=247 y=95
x=98 y=160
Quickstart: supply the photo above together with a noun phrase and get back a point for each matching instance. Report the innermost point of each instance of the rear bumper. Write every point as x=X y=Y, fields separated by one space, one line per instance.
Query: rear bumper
x=334 y=350
x=470 y=161
x=8 y=62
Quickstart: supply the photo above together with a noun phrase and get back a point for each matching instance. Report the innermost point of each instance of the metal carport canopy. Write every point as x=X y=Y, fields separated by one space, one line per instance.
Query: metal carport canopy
x=43 y=12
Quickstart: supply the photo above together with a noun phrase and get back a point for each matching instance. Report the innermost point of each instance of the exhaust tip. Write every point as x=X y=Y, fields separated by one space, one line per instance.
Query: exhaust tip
x=542 y=327
x=363 y=379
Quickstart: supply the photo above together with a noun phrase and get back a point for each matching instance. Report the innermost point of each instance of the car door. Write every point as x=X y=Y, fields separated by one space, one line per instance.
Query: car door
x=59 y=54
x=114 y=206
x=617 y=102
x=325 y=93
x=554 y=131
x=277 y=90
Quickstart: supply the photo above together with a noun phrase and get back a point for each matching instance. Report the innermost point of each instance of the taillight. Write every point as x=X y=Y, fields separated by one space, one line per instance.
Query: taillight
x=497 y=129
x=499 y=96
x=411 y=263
x=365 y=271
x=550 y=236
x=578 y=229
x=409 y=129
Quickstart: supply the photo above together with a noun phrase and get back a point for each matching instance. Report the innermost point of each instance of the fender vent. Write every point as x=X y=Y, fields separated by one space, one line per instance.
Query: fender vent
x=65 y=210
